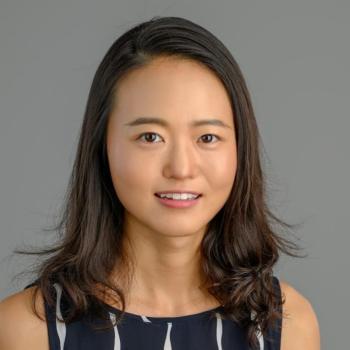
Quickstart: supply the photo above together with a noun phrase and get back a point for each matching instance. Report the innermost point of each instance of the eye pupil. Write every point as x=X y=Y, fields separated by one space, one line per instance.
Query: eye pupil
x=208 y=135
x=147 y=136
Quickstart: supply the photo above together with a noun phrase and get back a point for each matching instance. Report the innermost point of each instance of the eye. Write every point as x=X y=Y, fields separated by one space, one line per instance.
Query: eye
x=148 y=140
x=146 y=133
x=212 y=135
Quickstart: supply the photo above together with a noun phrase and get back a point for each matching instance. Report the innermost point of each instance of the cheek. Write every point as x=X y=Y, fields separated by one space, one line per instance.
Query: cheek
x=221 y=170
x=129 y=175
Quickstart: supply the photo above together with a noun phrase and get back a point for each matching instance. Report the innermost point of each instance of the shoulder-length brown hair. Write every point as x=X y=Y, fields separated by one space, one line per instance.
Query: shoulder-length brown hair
x=240 y=246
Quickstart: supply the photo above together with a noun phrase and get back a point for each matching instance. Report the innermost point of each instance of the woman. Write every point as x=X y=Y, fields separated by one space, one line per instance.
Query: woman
x=166 y=239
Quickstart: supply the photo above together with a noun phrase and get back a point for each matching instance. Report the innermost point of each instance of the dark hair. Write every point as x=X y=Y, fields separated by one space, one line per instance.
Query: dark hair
x=240 y=246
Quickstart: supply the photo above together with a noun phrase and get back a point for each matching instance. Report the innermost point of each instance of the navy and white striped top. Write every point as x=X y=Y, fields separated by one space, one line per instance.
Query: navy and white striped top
x=203 y=331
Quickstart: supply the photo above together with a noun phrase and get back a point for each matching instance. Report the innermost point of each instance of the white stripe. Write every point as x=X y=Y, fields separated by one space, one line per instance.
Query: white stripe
x=167 y=344
x=60 y=326
x=116 y=332
x=258 y=333
x=261 y=339
x=219 y=331
x=145 y=319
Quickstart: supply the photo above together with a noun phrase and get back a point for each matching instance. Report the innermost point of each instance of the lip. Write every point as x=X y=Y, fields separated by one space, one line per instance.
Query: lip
x=177 y=203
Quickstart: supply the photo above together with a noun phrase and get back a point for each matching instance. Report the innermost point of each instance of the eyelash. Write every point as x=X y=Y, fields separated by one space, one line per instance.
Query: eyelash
x=154 y=133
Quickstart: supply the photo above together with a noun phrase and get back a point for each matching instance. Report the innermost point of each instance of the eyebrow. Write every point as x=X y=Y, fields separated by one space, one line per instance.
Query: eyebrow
x=164 y=123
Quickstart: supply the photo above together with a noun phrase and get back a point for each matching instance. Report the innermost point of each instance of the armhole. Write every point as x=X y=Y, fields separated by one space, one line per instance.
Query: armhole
x=56 y=329
x=272 y=341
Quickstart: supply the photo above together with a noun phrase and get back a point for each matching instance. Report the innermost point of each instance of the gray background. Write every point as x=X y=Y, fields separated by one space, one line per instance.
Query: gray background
x=295 y=57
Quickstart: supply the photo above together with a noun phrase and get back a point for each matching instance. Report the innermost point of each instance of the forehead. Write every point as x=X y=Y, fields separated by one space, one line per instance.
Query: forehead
x=172 y=89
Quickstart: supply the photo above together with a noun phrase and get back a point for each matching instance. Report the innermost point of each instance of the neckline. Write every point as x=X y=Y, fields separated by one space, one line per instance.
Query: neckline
x=165 y=319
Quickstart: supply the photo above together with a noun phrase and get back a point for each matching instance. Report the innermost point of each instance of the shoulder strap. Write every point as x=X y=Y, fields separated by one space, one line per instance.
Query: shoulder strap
x=31 y=284
x=56 y=329
x=273 y=339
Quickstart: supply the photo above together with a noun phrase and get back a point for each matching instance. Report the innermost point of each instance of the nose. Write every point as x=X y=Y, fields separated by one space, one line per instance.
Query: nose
x=181 y=161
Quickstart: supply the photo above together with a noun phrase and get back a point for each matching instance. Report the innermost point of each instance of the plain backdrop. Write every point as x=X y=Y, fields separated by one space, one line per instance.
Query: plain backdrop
x=295 y=57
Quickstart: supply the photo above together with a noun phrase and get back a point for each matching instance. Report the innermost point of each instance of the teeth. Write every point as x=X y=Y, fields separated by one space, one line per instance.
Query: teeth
x=178 y=196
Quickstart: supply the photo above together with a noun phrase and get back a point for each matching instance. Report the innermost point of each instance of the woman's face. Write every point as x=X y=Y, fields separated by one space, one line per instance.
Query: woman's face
x=173 y=156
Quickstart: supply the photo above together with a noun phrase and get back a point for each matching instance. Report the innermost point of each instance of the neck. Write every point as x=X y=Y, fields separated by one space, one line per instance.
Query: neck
x=166 y=275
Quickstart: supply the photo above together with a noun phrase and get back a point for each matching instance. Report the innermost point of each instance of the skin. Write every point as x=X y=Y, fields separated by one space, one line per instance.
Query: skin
x=300 y=330
x=165 y=241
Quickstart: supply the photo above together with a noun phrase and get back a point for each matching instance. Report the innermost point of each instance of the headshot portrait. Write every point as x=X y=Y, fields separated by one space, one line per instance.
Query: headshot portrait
x=156 y=166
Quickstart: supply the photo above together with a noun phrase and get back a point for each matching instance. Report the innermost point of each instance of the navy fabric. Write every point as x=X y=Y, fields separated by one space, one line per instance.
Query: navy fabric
x=201 y=331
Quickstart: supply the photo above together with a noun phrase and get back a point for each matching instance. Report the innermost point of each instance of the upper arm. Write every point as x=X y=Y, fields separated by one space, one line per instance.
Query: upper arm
x=20 y=328
x=300 y=327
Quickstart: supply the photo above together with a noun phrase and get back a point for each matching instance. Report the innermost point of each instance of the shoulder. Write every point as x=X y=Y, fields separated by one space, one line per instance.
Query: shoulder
x=300 y=327
x=20 y=328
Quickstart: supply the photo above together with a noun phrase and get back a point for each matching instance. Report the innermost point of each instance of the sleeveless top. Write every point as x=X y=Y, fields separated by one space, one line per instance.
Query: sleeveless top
x=206 y=330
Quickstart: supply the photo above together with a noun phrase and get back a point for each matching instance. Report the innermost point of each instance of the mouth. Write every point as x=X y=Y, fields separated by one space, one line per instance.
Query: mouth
x=169 y=198
x=178 y=203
